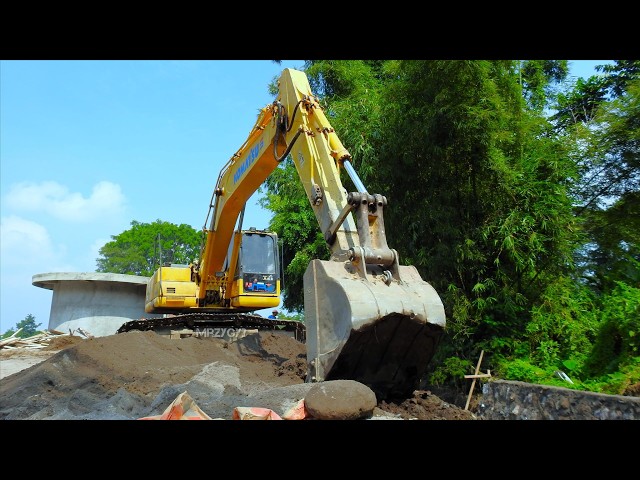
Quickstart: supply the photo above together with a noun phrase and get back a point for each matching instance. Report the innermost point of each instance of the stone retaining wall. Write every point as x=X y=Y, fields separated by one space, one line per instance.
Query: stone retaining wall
x=507 y=400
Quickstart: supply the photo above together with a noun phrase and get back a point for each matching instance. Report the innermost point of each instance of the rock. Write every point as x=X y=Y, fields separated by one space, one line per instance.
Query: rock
x=340 y=400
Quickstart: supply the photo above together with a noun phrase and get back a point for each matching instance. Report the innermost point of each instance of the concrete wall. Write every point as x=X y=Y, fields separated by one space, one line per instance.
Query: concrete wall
x=99 y=303
x=506 y=400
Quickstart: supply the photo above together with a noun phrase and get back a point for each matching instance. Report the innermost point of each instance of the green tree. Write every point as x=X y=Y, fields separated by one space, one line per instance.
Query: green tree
x=28 y=325
x=479 y=194
x=8 y=333
x=618 y=339
x=600 y=119
x=578 y=104
x=140 y=249
x=610 y=193
x=539 y=78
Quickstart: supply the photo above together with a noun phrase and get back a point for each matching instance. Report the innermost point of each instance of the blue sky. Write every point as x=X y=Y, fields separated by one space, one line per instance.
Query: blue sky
x=88 y=146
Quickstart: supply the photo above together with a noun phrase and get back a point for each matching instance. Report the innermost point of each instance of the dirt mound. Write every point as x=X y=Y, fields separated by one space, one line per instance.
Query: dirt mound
x=140 y=364
x=137 y=374
x=424 y=405
x=62 y=342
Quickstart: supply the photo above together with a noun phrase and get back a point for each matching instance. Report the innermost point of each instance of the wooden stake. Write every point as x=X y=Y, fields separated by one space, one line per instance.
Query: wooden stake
x=473 y=384
x=481 y=375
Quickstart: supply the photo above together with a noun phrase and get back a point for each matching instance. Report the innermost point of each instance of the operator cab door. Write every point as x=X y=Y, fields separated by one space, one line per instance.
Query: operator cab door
x=257 y=276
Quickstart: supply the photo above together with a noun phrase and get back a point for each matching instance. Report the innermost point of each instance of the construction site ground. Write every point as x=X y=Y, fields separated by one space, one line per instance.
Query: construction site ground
x=139 y=374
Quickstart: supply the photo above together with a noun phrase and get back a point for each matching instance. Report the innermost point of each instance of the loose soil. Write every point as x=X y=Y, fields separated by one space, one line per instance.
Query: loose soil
x=137 y=374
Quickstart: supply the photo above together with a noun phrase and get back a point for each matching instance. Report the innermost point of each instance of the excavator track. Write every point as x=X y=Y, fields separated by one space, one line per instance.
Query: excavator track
x=211 y=323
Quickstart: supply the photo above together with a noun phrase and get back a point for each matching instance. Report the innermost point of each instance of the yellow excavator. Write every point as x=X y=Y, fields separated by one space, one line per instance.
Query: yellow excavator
x=366 y=317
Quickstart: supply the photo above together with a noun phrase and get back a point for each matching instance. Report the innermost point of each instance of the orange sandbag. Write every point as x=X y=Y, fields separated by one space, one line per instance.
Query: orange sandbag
x=254 y=413
x=297 y=412
x=182 y=408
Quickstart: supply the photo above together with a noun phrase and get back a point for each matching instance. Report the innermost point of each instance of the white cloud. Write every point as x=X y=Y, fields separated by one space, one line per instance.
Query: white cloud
x=24 y=243
x=106 y=199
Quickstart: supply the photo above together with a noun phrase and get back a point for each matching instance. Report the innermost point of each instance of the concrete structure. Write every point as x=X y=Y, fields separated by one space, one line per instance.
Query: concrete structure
x=99 y=303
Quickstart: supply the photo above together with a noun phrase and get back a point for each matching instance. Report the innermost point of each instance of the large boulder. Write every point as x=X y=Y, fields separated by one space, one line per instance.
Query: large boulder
x=340 y=400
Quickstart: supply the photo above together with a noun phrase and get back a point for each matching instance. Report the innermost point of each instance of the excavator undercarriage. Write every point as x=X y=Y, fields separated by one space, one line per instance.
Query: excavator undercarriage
x=222 y=325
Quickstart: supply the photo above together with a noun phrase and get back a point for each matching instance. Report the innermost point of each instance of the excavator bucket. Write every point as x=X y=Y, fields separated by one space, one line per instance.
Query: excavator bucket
x=375 y=329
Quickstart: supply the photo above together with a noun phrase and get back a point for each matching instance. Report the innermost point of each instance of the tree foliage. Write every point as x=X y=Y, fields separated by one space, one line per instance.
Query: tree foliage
x=539 y=78
x=485 y=188
x=609 y=194
x=605 y=146
x=142 y=248
x=28 y=325
x=618 y=338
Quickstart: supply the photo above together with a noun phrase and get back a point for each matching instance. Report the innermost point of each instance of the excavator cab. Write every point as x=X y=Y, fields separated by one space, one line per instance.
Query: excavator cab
x=256 y=282
x=251 y=274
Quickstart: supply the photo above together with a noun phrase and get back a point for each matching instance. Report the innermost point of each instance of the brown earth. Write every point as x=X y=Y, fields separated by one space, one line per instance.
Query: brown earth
x=426 y=405
x=136 y=374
